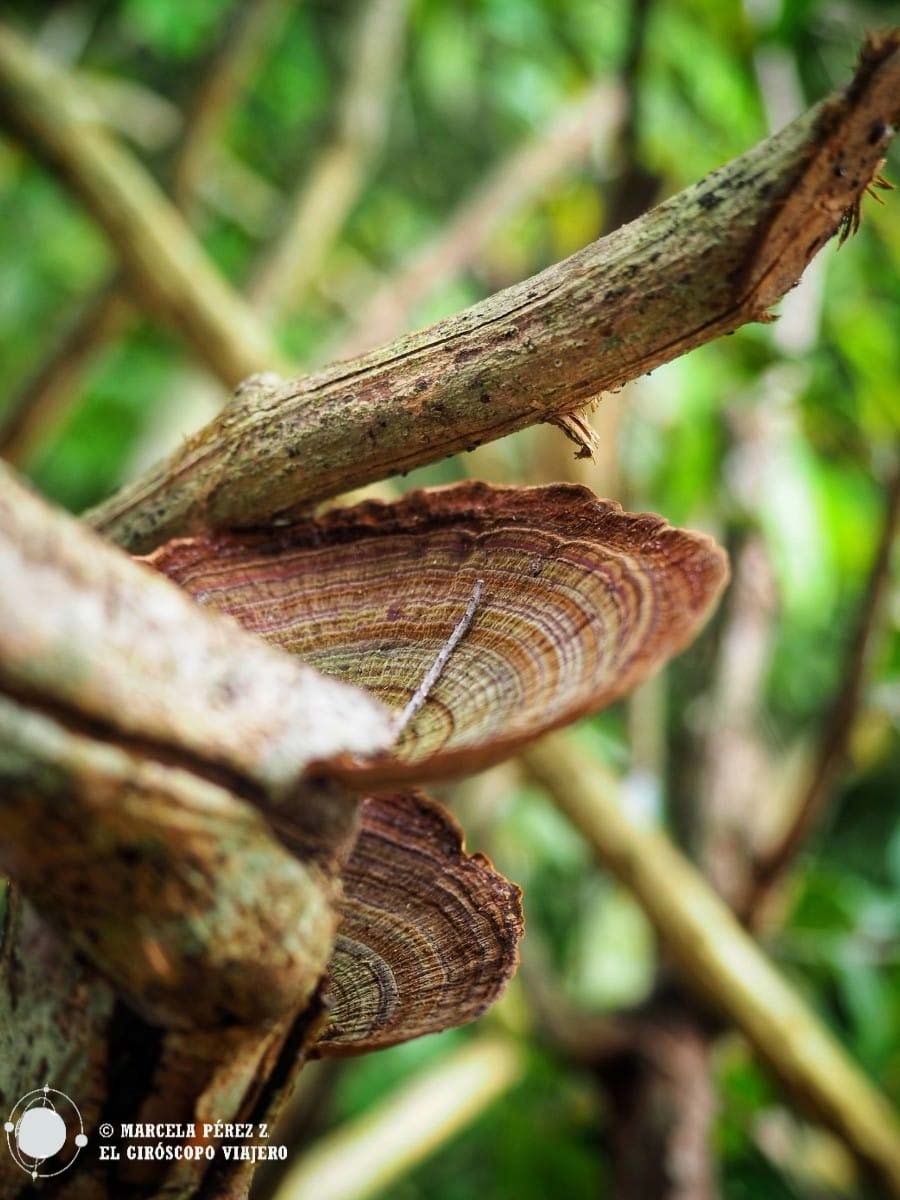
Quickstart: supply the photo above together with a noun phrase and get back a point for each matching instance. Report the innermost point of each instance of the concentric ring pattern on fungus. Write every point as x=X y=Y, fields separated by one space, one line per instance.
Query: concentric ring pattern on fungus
x=429 y=935
x=580 y=602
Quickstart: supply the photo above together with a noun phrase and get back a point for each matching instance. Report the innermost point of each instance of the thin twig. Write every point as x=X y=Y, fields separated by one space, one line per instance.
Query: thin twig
x=41 y=403
x=245 y=40
x=635 y=187
x=769 y=869
x=437 y=667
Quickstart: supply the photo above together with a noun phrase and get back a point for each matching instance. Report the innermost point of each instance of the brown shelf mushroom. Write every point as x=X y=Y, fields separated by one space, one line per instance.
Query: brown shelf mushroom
x=579 y=602
x=429 y=934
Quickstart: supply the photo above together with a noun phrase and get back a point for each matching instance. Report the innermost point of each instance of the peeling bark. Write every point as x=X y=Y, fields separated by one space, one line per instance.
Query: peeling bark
x=707 y=261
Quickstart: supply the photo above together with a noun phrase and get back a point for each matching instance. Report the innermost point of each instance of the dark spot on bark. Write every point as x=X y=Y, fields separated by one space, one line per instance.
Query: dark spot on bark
x=709 y=200
x=421 y=385
x=485 y=398
x=839 y=171
x=465 y=355
x=879 y=130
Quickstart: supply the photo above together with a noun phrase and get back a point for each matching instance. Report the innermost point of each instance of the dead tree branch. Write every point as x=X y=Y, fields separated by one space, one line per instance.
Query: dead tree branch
x=700 y=265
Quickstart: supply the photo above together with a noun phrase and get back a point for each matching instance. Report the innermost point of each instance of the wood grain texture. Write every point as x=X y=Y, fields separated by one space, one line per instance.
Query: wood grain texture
x=429 y=934
x=86 y=630
x=710 y=259
x=173 y=888
x=581 y=601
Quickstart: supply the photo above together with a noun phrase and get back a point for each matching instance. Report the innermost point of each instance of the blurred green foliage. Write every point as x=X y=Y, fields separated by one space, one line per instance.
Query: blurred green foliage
x=478 y=77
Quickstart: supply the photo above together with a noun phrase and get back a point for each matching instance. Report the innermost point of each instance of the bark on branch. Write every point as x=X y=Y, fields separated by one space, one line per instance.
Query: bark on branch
x=107 y=314
x=709 y=260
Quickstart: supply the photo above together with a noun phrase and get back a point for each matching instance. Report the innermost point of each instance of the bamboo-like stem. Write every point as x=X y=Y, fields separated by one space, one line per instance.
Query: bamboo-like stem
x=770 y=867
x=716 y=958
x=40 y=404
x=362 y=1157
x=249 y=31
x=165 y=263
x=43 y=399
x=512 y=183
x=700 y=265
x=320 y=207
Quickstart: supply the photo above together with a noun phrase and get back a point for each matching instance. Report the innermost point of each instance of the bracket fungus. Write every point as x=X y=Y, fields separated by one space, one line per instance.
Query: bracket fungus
x=580 y=602
x=488 y=615
x=248 y=805
x=429 y=935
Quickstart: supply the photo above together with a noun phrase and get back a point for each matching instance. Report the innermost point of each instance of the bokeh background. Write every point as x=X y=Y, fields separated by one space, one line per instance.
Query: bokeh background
x=478 y=142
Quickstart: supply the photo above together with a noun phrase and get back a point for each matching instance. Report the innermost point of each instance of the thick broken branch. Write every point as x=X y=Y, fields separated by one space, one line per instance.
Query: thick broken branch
x=716 y=958
x=700 y=265
x=163 y=259
x=221 y=923
x=87 y=631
